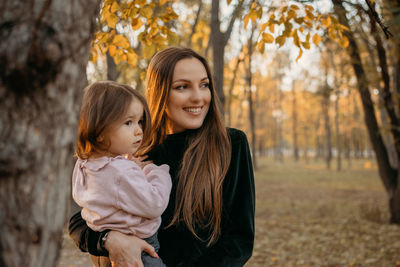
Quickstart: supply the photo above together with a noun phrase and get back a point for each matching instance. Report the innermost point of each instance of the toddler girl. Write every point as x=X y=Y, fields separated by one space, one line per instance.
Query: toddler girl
x=116 y=193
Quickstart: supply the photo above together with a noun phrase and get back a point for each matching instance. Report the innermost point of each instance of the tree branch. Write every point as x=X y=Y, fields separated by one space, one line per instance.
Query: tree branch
x=375 y=17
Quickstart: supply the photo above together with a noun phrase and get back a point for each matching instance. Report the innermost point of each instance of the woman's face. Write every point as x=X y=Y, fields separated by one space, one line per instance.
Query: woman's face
x=189 y=97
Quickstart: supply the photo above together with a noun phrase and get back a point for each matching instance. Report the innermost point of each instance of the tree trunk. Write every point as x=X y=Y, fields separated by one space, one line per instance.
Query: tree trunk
x=44 y=50
x=219 y=40
x=388 y=175
x=112 y=71
x=250 y=97
x=294 y=126
x=327 y=126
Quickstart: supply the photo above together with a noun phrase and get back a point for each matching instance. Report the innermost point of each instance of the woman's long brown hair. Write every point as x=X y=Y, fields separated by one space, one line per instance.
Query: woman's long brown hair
x=207 y=157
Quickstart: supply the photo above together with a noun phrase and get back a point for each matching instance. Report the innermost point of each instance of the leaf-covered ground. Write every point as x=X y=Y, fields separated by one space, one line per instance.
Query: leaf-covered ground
x=309 y=216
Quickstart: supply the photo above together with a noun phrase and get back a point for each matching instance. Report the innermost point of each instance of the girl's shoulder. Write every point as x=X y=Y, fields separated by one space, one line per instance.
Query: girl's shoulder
x=117 y=164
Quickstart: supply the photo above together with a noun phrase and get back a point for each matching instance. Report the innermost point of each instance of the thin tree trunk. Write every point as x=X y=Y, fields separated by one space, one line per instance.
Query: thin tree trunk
x=389 y=176
x=294 y=126
x=44 y=50
x=250 y=97
x=219 y=40
x=112 y=71
x=196 y=21
x=230 y=92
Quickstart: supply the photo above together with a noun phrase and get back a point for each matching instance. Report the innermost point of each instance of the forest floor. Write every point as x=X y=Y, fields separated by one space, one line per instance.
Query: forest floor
x=307 y=215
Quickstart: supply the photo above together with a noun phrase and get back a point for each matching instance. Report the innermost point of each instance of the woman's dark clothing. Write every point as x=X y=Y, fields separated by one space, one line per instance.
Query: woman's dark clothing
x=178 y=246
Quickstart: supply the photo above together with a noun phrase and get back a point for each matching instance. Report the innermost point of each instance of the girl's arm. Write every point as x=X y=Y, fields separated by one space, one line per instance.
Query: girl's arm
x=235 y=245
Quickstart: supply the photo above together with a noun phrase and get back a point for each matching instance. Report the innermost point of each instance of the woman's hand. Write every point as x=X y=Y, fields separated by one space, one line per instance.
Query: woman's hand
x=141 y=161
x=126 y=250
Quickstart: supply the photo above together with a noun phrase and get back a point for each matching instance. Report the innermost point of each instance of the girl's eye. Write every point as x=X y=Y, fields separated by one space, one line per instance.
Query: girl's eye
x=128 y=123
x=140 y=122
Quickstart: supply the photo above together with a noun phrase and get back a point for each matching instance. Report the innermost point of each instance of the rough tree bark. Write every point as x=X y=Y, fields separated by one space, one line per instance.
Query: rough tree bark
x=44 y=49
x=388 y=175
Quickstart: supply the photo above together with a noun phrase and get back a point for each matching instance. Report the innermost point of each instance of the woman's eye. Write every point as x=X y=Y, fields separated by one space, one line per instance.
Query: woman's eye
x=180 y=87
x=129 y=123
x=205 y=85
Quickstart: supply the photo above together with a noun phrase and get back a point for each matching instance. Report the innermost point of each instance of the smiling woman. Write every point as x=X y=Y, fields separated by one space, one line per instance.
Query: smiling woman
x=190 y=97
x=209 y=220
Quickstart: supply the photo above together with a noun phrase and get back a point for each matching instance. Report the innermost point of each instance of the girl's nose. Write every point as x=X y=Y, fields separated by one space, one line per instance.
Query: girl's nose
x=138 y=130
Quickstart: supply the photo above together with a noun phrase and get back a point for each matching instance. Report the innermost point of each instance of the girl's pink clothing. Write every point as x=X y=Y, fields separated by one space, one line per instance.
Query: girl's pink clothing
x=116 y=194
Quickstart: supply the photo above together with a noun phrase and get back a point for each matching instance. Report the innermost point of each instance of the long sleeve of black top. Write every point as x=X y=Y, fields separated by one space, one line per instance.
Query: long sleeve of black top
x=178 y=246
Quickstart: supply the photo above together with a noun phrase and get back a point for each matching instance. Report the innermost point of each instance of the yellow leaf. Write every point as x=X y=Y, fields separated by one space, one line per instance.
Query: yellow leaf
x=301 y=29
x=163 y=2
x=344 y=42
x=154 y=31
x=300 y=54
x=272 y=27
x=280 y=40
x=316 y=39
x=132 y=58
x=309 y=15
x=268 y=38
x=326 y=21
x=246 y=20
x=291 y=14
x=172 y=38
x=112 y=49
x=264 y=26
x=311 y=8
x=342 y=27
x=253 y=5
x=295 y=7
x=296 y=39
x=306 y=45
x=253 y=16
x=136 y=23
x=114 y=7
x=149 y=50
x=146 y=12
x=121 y=41
x=143 y=75
x=261 y=46
x=112 y=20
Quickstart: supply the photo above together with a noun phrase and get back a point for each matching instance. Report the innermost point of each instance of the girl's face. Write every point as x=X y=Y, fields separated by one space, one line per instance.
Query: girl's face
x=125 y=136
x=189 y=97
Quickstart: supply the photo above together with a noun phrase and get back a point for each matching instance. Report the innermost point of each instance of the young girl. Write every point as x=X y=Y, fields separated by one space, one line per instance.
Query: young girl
x=209 y=220
x=116 y=193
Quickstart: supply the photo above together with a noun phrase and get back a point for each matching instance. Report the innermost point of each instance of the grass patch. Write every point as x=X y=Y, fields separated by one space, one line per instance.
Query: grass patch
x=309 y=216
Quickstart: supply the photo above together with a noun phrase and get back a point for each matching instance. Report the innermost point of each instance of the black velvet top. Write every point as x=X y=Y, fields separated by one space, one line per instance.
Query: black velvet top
x=178 y=246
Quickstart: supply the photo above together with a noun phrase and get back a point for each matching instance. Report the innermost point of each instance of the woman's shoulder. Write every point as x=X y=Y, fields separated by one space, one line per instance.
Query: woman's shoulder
x=236 y=135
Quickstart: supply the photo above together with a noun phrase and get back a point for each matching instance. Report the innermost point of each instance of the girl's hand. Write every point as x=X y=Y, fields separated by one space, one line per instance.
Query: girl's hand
x=126 y=250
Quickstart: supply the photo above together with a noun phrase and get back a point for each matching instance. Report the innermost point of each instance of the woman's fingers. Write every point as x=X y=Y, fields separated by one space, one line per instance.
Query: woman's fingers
x=149 y=249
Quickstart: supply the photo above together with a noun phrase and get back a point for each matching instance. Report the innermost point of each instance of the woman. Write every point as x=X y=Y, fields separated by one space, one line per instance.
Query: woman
x=209 y=220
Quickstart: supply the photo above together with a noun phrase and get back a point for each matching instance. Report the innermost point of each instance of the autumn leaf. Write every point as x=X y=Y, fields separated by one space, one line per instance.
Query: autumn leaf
x=163 y=2
x=268 y=38
x=121 y=41
x=112 y=50
x=300 y=54
x=306 y=45
x=115 y=7
x=316 y=39
x=344 y=42
x=280 y=40
x=111 y=20
x=149 y=50
x=136 y=23
x=261 y=46
x=132 y=58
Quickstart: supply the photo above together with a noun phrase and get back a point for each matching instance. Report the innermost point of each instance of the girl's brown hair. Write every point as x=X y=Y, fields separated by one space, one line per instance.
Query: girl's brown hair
x=103 y=104
x=205 y=161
